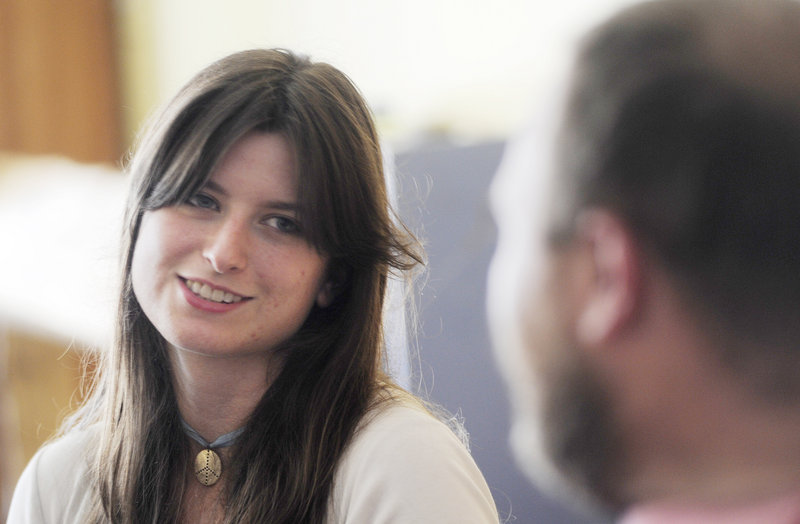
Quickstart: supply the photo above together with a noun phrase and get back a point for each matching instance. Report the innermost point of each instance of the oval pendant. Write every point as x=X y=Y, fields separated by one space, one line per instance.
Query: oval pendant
x=207 y=467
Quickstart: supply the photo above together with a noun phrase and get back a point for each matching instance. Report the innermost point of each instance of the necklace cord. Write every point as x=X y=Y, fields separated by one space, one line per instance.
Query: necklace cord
x=222 y=441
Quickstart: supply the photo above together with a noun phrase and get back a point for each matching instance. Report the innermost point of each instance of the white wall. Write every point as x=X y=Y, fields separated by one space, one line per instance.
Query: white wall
x=468 y=68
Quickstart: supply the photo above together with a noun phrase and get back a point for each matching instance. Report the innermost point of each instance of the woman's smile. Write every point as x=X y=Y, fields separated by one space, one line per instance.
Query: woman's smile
x=202 y=296
x=212 y=293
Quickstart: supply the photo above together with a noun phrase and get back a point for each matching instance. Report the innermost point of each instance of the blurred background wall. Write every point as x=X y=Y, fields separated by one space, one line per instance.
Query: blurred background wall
x=448 y=80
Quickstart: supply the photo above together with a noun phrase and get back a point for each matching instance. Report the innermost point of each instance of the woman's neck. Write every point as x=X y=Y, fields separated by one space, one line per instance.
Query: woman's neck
x=216 y=395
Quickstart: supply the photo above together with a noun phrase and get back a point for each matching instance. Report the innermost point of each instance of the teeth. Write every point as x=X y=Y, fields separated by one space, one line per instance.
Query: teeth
x=214 y=295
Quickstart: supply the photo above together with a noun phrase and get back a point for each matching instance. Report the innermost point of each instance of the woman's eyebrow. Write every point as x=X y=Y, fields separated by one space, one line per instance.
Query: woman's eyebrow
x=267 y=204
x=284 y=206
x=213 y=186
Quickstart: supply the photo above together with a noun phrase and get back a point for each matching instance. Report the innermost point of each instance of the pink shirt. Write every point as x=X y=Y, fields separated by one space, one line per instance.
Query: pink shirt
x=783 y=510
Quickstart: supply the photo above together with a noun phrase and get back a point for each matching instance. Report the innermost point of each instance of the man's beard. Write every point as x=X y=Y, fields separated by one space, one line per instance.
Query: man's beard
x=567 y=440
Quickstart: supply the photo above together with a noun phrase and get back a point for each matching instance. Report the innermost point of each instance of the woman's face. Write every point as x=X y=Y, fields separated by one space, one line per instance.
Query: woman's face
x=230 y=271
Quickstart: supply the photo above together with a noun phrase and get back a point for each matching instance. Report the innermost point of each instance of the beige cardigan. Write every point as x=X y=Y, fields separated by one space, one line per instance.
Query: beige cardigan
x=403 y=466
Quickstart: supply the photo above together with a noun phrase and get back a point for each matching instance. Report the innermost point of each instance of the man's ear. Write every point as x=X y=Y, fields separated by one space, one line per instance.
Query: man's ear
x=614 y=290
x=330 y=289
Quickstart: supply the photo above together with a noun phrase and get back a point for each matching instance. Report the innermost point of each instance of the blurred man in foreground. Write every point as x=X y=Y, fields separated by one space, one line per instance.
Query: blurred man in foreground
x=645 y=293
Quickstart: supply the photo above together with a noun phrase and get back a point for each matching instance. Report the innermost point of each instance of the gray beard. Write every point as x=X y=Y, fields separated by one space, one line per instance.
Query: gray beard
x=579 y=457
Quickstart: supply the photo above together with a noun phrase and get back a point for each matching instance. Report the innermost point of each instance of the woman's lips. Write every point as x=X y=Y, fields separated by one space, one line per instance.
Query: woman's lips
x=211 y=293
x=205 y=297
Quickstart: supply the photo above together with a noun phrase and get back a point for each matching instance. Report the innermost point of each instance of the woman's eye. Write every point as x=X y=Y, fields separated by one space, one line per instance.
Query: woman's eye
x=203 y=201
x=282 y=224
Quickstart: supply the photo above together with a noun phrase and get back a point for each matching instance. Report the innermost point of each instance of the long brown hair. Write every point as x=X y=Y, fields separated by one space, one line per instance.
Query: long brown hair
x=283 y=465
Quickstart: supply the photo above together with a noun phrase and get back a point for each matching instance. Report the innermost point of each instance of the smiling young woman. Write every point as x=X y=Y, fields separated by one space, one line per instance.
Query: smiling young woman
x=239 y=237
x=246 y=382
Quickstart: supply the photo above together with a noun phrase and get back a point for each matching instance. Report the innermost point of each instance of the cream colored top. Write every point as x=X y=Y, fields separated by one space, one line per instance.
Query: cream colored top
x=403 y=466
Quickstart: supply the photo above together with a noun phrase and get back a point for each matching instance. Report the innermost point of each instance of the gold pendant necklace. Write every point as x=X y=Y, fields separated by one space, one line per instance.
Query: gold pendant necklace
x=207 y=467
x=207 y=464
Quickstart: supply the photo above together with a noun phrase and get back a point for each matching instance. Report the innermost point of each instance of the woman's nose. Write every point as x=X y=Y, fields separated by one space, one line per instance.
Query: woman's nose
x=226 y=247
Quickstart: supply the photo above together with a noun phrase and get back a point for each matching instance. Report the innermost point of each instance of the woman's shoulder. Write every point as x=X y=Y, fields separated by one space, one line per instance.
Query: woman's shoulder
x=54 y=485
x=405 y=465
x=402 y=416
x=65 y=458
x=68 y=449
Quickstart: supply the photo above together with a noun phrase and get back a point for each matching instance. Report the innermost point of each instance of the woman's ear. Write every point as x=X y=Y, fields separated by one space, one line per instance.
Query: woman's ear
x=334 y=283
x=614 y=289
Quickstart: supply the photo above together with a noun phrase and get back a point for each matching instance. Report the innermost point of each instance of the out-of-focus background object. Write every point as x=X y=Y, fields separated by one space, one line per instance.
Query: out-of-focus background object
x=59 y=79
x=449 y=81
x=59 y=95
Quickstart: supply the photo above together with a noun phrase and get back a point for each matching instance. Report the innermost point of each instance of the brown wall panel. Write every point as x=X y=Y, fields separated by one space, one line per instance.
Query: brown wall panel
x=58 y=79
